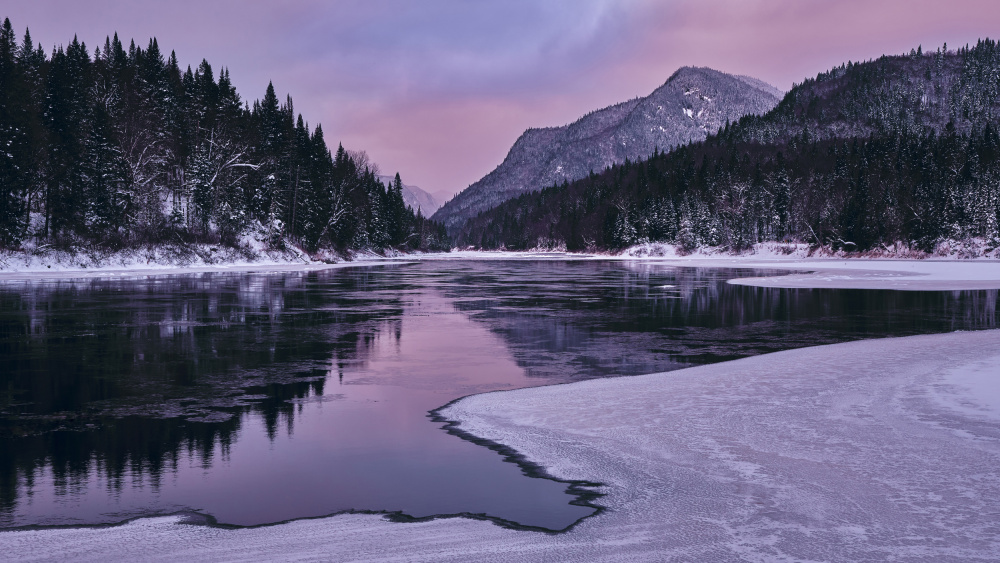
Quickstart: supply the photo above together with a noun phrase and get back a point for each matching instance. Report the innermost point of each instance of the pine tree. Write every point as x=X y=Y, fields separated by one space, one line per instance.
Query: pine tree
x=105 y=179
x=15 y=141
x=67 y=106
x=397 y=213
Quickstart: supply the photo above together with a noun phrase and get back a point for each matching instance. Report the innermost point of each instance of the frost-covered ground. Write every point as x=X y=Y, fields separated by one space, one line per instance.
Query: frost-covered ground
x=887 y=271
x=876 y=450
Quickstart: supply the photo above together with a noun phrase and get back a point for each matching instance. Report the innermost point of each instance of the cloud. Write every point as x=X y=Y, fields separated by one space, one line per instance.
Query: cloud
x=439 y=89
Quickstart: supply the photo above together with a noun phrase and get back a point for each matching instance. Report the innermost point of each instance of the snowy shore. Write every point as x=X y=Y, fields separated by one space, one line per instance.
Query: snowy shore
x=900 y=272
x=163 y=261
x=859 y=273
x=874 y=450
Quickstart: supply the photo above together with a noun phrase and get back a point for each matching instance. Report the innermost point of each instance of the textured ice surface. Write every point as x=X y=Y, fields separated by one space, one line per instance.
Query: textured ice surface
x=859 y=273
x=909 y=275
x=876 y=450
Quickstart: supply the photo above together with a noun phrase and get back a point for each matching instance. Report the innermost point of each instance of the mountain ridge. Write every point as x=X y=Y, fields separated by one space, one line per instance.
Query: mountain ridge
x=692 y=103
x=900 y=150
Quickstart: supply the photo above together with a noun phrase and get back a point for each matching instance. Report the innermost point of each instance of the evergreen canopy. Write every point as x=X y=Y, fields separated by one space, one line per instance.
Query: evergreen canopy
x=123 y=147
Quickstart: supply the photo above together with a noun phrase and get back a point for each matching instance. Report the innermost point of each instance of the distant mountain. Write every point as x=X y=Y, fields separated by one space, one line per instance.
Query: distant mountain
x=889 y=155
x=416 y=198
x=691 y=104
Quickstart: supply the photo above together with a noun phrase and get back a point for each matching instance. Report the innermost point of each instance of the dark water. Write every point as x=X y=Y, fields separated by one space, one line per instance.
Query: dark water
x=258 y=398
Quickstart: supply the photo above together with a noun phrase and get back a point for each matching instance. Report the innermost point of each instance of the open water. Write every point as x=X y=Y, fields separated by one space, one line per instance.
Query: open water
x=255 y=398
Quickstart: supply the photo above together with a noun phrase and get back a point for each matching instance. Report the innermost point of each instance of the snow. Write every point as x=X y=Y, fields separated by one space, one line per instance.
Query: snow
x=972 y=389
x=136 y=270
x=840 y=452
x=835 y=272
x=689 y=112
x=908 y=275
x=44 y=262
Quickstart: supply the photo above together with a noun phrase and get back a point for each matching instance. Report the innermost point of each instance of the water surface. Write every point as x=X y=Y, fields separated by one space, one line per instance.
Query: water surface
x=261 y=397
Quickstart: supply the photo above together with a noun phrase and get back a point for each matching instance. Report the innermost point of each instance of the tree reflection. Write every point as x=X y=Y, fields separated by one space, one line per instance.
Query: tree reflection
x=116 y=379
x=635 y=318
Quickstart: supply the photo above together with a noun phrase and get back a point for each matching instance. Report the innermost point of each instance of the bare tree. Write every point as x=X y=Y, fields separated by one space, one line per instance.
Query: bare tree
x=364 y=162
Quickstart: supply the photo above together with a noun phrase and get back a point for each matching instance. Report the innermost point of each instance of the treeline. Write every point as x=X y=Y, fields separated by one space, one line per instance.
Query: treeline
x=121 y=147
x=921 y=173
x=853 y=194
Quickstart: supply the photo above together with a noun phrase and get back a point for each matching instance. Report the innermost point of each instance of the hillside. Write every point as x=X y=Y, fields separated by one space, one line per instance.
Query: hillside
x=899 y=150
x=691 y=104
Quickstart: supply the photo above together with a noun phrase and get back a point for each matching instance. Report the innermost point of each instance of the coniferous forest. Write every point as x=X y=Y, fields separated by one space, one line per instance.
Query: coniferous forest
x=900 y=152
x=119 y=147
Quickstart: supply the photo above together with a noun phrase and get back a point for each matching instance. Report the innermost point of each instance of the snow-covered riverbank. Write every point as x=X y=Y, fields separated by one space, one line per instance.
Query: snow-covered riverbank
x=191 y=259
x=889 y=270
x=824 y=272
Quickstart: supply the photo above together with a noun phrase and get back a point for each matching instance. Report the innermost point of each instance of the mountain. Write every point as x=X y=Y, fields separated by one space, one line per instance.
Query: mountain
x=902 y=152
x=912 y=94
x=416 y=198
x=691 y=104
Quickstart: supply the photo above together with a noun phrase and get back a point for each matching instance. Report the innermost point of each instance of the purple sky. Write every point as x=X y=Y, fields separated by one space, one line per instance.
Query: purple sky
x=439 y=90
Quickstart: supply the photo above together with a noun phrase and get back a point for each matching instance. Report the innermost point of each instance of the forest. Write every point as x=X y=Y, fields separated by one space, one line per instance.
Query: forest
x=120 y=148
x=903 y=150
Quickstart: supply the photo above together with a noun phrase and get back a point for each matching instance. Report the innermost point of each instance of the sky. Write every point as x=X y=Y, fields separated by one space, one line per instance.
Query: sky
x=438 y=90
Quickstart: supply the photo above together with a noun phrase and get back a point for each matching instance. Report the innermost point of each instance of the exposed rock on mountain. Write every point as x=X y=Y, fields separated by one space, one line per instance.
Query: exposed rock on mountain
x=691 y=104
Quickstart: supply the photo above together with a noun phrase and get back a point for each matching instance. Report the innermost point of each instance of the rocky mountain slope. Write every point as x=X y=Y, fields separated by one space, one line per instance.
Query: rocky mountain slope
x=691 y=104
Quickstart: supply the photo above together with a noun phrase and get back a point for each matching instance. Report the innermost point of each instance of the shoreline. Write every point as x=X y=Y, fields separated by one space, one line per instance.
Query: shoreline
x=895 y=273
x=167 y=270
